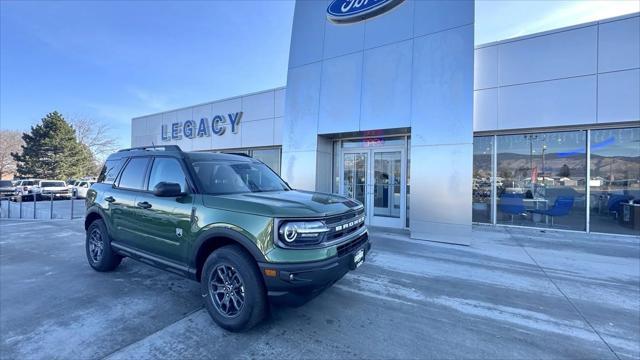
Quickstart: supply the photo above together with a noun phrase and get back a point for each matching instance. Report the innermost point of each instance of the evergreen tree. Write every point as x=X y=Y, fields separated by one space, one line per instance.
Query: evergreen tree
x=51 y=151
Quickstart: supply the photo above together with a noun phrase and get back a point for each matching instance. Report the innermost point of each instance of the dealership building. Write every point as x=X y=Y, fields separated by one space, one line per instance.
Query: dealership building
x=392 y=103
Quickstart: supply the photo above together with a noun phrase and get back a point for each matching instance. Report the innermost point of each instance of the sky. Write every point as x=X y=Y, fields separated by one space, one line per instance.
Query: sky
x=111 y=61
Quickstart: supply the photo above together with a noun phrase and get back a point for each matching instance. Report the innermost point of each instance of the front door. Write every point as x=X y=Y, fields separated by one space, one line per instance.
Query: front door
x=376 y=178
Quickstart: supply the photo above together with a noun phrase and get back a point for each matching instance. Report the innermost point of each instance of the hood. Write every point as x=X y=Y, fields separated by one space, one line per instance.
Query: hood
x=293 y=203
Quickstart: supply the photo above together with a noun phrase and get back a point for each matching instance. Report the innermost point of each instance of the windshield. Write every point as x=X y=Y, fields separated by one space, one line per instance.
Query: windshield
x=219 y=177
x=53 y=184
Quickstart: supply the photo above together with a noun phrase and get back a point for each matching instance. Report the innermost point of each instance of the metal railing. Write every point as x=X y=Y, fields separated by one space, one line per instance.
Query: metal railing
x=45 y=206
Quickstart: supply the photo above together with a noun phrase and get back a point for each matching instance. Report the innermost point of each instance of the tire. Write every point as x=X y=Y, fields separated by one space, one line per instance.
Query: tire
x=97 y=236
x=230 y=259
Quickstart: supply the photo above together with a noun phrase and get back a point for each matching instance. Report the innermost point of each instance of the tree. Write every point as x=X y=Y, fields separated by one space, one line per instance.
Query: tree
x=51 y=151
x=564 y=171
x=10 y=141
x=96 y=135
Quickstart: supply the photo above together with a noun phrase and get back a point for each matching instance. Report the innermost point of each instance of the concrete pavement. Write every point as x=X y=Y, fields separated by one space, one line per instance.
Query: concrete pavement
x=514 y=293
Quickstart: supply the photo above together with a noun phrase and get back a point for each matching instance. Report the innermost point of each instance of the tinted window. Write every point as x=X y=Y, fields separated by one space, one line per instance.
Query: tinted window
x=27 y=183
x=110 y=171
x=5 y=183
x=167 y=170
x=133 y=175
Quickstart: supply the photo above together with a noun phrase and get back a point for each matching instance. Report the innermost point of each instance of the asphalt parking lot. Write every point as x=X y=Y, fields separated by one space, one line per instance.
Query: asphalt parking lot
x=514 y=293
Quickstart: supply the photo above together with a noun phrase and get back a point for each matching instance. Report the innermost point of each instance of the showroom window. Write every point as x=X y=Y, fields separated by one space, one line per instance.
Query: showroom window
x=615 y=181
x=482 y=177
x=540 y=180
x=269 y=156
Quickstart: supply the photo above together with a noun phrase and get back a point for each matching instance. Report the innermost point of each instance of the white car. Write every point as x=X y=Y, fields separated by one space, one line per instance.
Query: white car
x=51 y=188
x=80 y=188
x=24 y=188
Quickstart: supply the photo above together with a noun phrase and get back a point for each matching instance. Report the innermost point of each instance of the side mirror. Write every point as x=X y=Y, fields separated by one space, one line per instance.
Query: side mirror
x=167 y=189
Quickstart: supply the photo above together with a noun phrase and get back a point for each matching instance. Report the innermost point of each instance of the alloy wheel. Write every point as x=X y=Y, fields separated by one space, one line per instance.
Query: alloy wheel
x=226 y=289
x=96 y=245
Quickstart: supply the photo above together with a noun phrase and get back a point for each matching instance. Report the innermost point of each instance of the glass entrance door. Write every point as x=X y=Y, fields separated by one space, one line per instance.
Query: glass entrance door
x=376 y=178
x=354 y=175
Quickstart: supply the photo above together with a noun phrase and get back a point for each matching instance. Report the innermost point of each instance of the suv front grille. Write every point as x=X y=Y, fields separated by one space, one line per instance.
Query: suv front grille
x=352 y=245
x=342 y=222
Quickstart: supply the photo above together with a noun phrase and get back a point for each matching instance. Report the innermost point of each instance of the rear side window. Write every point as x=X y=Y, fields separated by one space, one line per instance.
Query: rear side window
x=110 y=171
x=167 y=170
x=133 y=174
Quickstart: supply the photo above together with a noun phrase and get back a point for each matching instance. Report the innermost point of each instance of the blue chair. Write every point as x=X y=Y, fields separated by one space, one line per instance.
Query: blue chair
x=561 y=207
x=512 y=204
x=614 y=204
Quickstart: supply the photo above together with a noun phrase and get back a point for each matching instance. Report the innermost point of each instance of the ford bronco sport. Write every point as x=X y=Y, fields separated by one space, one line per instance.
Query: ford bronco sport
x=227 y=221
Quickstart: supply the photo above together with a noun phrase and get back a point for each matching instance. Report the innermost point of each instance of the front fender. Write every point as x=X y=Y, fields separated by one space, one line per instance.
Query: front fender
x=229 y=233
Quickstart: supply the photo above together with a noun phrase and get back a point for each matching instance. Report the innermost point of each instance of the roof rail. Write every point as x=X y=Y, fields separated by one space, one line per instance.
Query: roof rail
x=154 y=147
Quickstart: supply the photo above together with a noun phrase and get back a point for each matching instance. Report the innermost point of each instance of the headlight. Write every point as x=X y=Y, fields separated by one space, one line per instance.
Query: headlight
x=309 y=232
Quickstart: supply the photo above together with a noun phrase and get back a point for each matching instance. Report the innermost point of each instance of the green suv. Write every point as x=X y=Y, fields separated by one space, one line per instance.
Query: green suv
x=227 y=221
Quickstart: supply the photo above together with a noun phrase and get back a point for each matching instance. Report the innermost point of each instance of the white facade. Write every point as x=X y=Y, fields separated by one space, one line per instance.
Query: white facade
x=582 y=75
x=260 y=123
x=413 y=74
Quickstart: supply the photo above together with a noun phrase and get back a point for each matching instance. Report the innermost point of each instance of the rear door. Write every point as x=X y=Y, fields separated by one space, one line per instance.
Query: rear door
x=123 y=209
x=166 y=220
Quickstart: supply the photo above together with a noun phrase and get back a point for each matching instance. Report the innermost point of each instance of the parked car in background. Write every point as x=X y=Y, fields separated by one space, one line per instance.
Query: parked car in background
x=6 y=188
x=51 y=188
x=80 y=188
x=24 y=189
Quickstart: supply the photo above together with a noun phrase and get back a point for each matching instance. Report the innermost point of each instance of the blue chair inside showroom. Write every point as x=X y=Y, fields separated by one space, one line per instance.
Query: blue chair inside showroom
x=561 y=207
x=512 y=204
x=614 y=205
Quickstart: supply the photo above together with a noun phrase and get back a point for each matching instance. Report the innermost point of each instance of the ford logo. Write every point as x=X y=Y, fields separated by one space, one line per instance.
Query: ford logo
x=350 y=11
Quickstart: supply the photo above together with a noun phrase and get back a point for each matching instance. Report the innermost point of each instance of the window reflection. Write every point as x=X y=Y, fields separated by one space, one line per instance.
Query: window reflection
x=482 y=163
x=615 y=181
x=540 y=180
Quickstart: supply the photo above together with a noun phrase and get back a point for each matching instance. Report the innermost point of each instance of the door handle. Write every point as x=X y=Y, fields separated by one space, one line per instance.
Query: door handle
x=109 y=199
x=144 y=205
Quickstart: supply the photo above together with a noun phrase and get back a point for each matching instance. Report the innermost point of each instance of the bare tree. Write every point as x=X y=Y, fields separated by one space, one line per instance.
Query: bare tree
x=10 y=141
x=96 y=135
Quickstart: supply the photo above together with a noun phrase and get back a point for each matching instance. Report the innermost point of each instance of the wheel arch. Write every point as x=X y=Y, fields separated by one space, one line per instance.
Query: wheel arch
x=92 y=215
x=214 y=239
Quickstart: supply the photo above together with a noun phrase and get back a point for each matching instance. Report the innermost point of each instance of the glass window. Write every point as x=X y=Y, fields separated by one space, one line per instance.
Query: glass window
x=219 y=178
x=271 y=157
x=540 y=180
x=167 y=170
x=373 y=142
x=481 y=190
x=53 y=184
x=336 y=167
x=615 y=181
x=408 y=177
x=110 y=171
x=133 y=175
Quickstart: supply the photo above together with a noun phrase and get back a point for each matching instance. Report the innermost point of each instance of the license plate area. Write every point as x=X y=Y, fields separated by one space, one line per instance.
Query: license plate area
x=358 y=259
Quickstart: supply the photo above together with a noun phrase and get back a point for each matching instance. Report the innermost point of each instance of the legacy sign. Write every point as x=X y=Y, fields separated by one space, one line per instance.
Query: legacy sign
x=191 y=129
x=351 y=11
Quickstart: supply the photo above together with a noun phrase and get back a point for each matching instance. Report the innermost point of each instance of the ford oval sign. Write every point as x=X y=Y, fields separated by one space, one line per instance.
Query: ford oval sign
x=350 y=11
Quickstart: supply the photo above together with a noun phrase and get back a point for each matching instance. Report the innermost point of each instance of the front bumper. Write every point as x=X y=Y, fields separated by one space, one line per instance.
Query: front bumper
x=296 y=283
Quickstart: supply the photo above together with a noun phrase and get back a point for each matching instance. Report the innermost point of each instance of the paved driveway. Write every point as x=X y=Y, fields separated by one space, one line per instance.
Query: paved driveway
x=512 y=294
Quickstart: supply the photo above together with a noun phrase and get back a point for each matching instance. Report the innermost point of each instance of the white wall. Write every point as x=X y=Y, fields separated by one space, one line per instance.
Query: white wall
x=582 y=75
x=260 y=125
x=410 y=67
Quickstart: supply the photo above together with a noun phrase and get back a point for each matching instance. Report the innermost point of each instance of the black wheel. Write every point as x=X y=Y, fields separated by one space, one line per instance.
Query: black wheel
x=233 y=290
x=98 y=246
